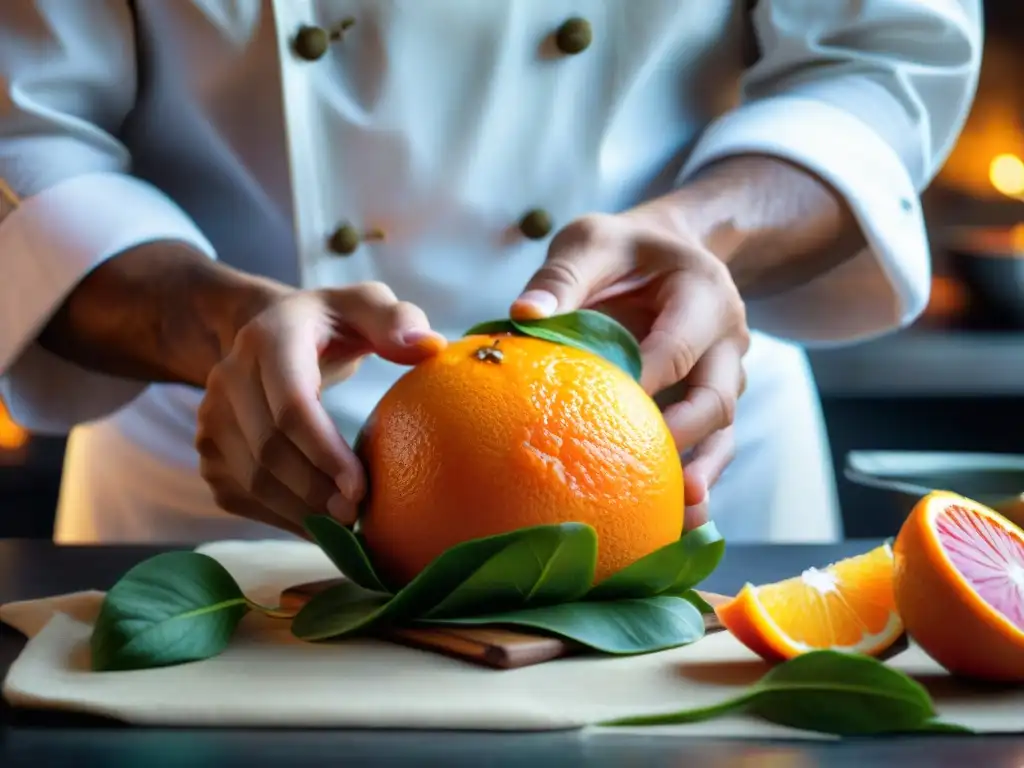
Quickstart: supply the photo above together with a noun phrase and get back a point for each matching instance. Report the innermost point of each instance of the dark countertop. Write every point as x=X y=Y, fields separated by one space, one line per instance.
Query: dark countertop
x=31 y=569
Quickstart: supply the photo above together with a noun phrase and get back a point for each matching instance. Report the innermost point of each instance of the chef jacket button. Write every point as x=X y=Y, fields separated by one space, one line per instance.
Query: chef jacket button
x=345 y=240
x=311 y=42
x=536 y=224
x=574 y=36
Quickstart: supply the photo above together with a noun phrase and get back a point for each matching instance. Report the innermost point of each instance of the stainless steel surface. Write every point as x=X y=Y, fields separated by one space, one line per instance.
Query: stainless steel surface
x=993 y=479
x=924 y=364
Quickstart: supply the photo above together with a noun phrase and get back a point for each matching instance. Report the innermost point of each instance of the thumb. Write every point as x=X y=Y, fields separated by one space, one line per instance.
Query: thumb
x=370 y=318
x=576 y=267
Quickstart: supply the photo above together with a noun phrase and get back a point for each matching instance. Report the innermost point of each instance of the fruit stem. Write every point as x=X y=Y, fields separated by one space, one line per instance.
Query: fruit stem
x=490 y=353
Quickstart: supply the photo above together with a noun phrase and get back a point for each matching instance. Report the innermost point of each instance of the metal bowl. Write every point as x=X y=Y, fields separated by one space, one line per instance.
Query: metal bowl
x=993 y=479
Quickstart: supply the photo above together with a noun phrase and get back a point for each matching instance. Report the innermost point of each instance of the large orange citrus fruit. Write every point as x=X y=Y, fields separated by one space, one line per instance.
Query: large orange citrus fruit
x=959 y=583
x=497 y=433
x=847 y=606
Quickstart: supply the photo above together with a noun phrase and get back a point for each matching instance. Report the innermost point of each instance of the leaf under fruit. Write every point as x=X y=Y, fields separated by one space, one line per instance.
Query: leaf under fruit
x=618 y=627
x=671 y=570
x=540 y=565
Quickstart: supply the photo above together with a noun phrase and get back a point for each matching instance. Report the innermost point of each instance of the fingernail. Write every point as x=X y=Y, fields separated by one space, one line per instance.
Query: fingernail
x=414 y=336
x=339 y=508
x=349 y=487
x=541 y=303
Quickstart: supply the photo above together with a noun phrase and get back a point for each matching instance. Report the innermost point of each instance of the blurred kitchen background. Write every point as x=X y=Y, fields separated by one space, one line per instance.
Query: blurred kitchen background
x=953 y=382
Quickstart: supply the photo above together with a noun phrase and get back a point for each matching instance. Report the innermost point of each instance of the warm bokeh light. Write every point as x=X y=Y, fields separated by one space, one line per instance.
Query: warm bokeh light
x=12 y=436
x=1006 y=172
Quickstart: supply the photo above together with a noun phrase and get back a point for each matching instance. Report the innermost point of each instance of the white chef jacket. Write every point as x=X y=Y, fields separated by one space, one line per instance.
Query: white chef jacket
x=440 y=122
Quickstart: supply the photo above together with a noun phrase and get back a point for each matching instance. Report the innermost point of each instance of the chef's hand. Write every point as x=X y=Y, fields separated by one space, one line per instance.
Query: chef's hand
x=681 y=302
x=267 y=447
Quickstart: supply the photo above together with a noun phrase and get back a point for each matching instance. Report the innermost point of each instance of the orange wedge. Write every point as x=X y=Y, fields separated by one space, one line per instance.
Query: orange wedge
x=959 y=586
x=847 y=606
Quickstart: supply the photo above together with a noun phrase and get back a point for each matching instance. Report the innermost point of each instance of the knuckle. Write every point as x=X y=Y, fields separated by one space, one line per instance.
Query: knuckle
x=270 y=449
x=250 y=342
x=290 y=416
x=406 y=310
x=207 y=472
x=223 y=498
x=681 y=360
x=593 y=227
x=561 y=271
x=260 y=481
x=725 y=408
x=206 y=445
x=216 y=386
x=376 y=292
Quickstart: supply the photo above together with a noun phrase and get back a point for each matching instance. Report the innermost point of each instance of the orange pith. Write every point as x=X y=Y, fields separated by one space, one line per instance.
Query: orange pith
x=942 y=610
x=847 y=606
x=496 y=433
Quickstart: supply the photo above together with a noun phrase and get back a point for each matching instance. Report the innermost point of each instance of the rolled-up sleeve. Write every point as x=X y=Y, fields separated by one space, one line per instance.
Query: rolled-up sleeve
x=871 y=98
x=67 y=82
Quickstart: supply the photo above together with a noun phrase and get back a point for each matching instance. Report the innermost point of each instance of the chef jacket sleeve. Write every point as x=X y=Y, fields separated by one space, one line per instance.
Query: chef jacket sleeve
x=67 y=83
x=871 y=98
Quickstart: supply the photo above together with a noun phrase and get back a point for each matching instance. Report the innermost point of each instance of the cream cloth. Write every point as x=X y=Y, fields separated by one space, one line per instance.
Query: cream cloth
x=268 y=678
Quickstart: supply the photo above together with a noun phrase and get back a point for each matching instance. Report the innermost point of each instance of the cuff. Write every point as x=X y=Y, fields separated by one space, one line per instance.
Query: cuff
x=885 y=286
x=47 y=245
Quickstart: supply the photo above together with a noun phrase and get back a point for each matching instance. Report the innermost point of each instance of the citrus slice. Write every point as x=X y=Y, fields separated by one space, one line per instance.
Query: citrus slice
x=959 y=586
x=846 y=606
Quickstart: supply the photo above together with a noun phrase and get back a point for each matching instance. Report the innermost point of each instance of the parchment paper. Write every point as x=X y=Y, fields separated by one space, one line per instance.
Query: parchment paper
x=268 y=678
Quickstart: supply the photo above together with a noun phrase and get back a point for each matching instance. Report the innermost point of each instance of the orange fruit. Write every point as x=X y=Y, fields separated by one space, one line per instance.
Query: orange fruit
x=497 y=433
x=959 y=584
x=847 y=606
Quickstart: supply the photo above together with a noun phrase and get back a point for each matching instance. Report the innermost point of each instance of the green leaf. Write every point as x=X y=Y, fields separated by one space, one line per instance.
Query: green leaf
x=491 y=328
x=339 y=610
x=173 y=608
x=621 y=627
x=591 y=331
x=553 y=564
x=671 y=570
x=828 y=692
x=530 y=566
x=697 y=601
x=345 y=550
x=584 y=329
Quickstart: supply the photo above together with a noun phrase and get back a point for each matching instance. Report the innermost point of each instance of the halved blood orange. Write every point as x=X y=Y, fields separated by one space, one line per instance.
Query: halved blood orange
x=959 y=586
x=846 y=606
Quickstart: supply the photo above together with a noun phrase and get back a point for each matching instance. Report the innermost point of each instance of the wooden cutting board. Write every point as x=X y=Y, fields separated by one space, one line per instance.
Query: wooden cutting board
x=494 y=647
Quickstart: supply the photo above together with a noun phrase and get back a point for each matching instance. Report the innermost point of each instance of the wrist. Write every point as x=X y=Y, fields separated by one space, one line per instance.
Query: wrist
x=229 y=302
x=716 y=209
x=161 y=311
x=775 y=225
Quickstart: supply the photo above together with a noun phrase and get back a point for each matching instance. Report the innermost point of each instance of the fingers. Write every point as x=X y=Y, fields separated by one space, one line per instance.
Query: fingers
x=712 y=391
x=696 y=516
x=395 y=330
x=696 y=309
x=232 y=498
x=581 y=259
x=269 y=469
x=262 y=422
x=707 y=462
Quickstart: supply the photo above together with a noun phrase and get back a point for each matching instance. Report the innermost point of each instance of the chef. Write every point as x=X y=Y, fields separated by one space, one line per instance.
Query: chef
x=229 y=225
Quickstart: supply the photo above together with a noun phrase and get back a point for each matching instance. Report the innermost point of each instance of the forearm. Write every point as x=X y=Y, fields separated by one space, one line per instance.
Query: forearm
x=159 y=312
x=774 y=224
